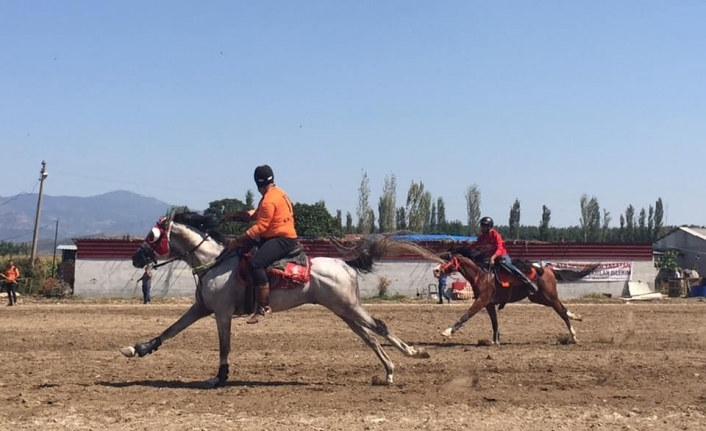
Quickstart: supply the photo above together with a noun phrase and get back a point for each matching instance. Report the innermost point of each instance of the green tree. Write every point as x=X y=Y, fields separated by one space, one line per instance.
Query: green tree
x=349 y=223
x=363 y=210
x=386 y=205
x=514 y=221
x=456 y=227
x=630 y=234
x=544 y=232
x=590 y=218
x=314 y=221
x=441 y=214
x=176 y=209
x=250 y=200
x=642 y=226
x=401 y=218
x=433 y=224
x=339 y=219
x=418 y=207
x=473 y=201
x=218 y=209
x=606 y=225
x=659 y=219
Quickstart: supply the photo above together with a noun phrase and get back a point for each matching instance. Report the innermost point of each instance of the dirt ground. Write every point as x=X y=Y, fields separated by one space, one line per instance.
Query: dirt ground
x=637 y=366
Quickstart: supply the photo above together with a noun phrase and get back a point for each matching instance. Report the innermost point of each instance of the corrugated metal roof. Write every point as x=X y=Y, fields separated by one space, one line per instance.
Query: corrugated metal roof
x=696 y=231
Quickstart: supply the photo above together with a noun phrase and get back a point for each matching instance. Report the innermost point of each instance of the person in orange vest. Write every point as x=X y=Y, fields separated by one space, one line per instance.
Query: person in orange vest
x=11 y=275
x=274 y=225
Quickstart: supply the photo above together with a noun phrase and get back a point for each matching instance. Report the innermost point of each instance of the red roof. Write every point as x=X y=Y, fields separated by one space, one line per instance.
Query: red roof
x=94 y=248
x=102 y=248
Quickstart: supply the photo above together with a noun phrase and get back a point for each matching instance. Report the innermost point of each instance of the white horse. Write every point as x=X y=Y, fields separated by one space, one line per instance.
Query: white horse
x=333 y=283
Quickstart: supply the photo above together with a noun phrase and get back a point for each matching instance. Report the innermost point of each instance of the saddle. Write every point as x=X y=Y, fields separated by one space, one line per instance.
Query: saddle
x=292 y=270
x=503 y=273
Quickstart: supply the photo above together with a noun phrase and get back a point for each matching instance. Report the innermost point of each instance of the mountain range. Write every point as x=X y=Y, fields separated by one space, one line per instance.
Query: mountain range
x=111 y=214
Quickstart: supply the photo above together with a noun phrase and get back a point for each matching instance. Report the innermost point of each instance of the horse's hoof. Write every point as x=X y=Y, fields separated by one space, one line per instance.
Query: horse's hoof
x=377 y=381
x=212 y=383
x=422 y=354
x=447 y=332
x=128 y=351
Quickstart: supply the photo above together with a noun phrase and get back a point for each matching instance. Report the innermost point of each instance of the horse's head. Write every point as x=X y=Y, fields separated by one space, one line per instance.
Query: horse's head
x=452 y=265
x=155 y=246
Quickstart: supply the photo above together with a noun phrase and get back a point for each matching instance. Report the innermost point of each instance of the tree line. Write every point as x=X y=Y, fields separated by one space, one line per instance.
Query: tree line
x=423 y=213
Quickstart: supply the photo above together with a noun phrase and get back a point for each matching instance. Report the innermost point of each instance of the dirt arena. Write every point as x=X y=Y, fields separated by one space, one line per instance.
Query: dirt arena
x=637 y=366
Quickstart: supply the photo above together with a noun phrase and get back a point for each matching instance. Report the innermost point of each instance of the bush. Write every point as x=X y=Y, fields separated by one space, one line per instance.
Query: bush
x=383 y=284
x=54 y=288
x=31 y=279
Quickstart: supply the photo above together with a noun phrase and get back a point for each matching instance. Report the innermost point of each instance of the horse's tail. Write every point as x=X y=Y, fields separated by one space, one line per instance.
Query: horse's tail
x=568 y=275
x=364 y=253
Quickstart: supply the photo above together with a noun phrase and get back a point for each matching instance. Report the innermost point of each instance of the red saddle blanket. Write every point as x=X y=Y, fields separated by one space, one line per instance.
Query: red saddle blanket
x=504 y=278
x=287 y=272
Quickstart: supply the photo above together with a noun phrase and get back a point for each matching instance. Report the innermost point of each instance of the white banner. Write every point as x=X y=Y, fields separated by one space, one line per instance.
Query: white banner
x=606 y=271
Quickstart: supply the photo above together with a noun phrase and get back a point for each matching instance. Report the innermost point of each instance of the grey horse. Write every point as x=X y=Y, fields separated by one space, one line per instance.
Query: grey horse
x=333 y=283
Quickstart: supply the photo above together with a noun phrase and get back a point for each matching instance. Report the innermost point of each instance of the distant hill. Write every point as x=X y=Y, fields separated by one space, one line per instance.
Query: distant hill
x=111 y=214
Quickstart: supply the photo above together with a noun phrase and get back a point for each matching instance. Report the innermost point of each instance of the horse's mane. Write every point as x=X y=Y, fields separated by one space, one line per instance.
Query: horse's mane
x=204 y=223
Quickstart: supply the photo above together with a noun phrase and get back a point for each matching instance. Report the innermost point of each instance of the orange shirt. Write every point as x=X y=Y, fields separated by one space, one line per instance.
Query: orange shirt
x=274 y=216
x=12 y=273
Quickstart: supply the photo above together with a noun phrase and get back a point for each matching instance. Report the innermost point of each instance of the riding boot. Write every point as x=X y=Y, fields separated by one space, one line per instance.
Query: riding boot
x=263 y=304
x=530 y=285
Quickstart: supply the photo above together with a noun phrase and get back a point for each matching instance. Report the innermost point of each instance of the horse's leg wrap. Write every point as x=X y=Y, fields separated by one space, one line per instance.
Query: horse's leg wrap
x=143 y=349
x=222 y=375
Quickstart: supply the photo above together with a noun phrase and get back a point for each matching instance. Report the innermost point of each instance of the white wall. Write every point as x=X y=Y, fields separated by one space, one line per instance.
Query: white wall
x=117 y=278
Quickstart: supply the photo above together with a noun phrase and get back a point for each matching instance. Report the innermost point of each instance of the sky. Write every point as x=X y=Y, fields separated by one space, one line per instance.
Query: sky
x=535 y=101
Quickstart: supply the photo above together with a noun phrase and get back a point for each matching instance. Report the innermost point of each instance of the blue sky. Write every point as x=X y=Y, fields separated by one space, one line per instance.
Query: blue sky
x=540 y=101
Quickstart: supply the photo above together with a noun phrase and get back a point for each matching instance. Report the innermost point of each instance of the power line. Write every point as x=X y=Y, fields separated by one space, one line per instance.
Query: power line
x=22 y=193
x=25 y=233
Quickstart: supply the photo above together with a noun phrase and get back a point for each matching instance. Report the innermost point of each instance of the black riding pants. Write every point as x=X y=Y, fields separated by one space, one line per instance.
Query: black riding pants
x=11 y=288
x=270 y=251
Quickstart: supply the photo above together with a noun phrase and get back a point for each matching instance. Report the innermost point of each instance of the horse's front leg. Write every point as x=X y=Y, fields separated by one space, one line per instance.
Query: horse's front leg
x=223 y=322
x=481 y=301
x=196 y=312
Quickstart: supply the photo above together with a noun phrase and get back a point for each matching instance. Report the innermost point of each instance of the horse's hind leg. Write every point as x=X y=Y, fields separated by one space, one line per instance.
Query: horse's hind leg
x=493 y=314
x=557 y=305
x=367 y=336
x=359 y=315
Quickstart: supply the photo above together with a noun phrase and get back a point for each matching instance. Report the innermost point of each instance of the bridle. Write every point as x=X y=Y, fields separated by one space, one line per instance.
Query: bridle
x=159 y=246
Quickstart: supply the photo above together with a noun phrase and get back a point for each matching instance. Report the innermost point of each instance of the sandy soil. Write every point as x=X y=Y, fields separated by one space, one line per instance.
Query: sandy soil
x=637 y=366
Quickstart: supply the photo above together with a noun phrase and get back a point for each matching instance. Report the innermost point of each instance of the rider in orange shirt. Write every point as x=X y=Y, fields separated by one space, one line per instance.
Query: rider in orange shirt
x=491 y=244
x=274 y=225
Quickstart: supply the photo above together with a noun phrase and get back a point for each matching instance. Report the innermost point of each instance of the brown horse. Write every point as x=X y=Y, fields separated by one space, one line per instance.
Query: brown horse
x=497 y=286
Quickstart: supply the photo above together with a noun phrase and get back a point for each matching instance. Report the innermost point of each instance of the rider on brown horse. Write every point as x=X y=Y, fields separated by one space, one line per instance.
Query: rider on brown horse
x=491 y=244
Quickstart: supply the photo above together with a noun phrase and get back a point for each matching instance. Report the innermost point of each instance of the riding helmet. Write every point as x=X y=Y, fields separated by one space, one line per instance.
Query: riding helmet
x=264 y=175
x=486 y=221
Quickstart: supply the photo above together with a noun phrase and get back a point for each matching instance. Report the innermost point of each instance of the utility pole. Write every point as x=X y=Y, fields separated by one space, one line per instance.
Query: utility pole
x=56 y=237
x=42 y=176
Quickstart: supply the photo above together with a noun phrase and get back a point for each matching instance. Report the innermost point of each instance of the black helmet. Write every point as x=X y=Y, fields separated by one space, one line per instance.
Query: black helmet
x=486 y=221
x=264 y=175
